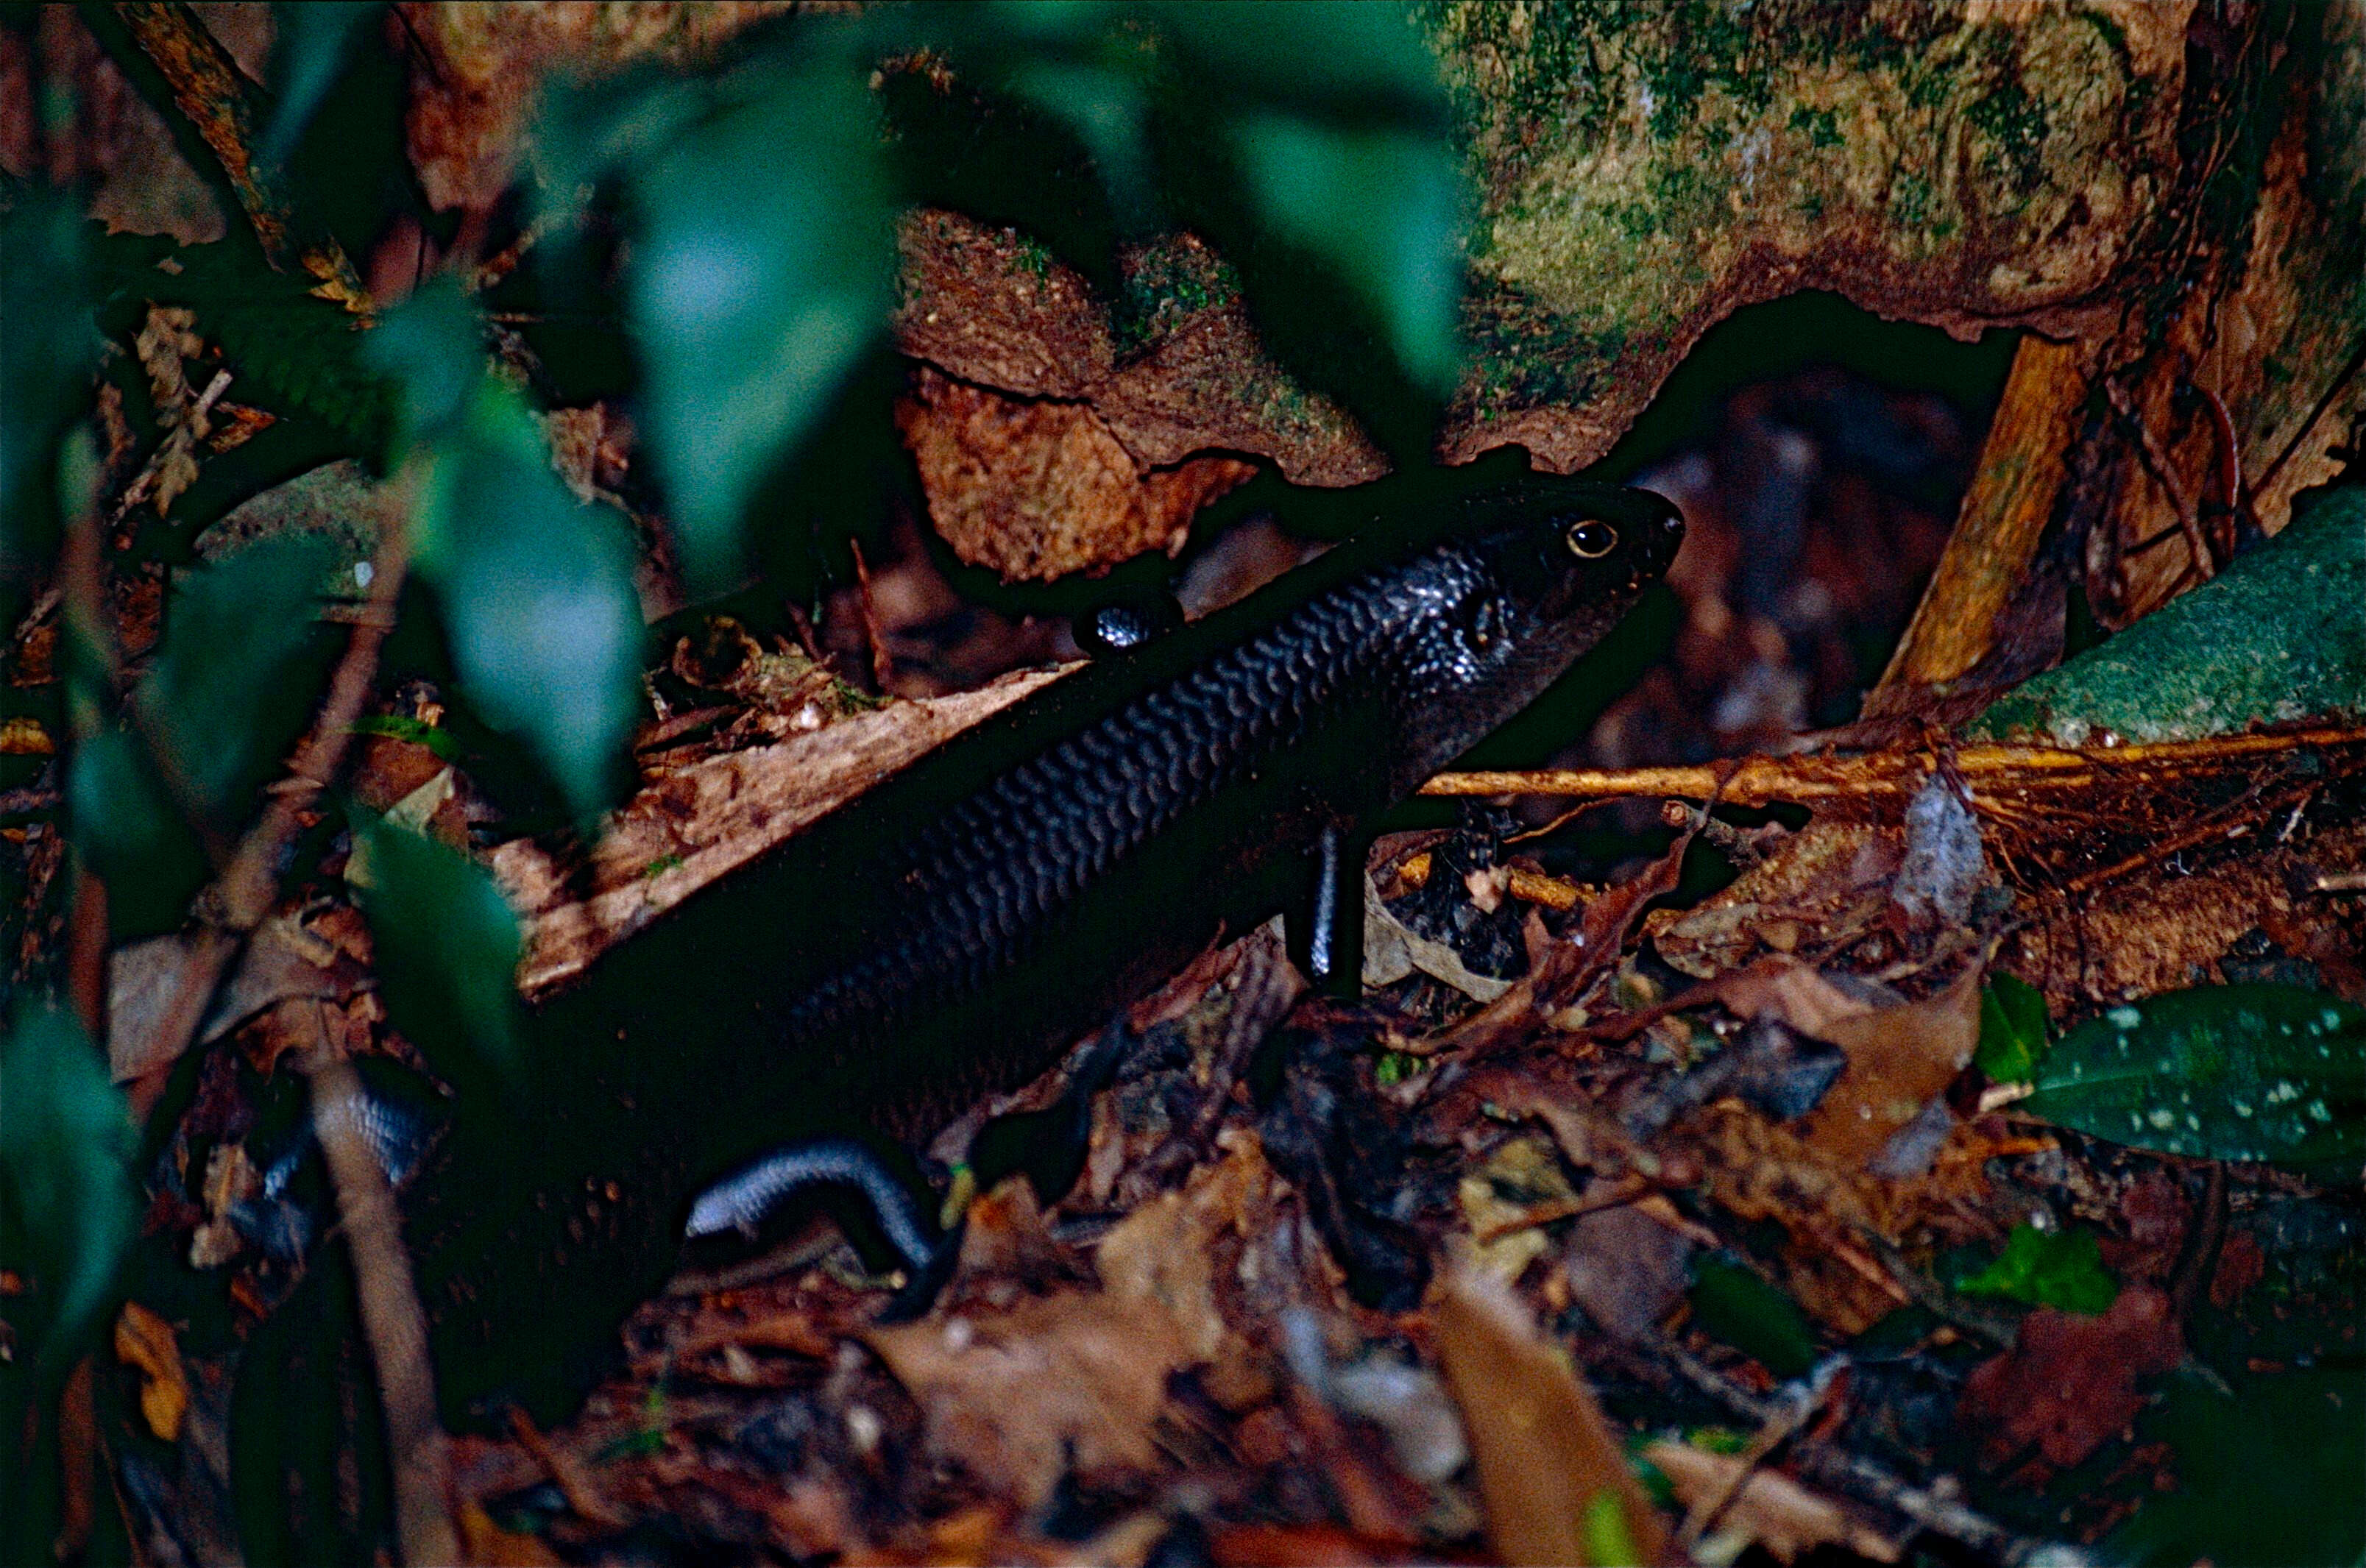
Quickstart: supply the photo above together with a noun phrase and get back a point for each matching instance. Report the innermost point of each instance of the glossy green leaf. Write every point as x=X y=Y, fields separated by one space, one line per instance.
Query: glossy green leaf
x=446 y=947
x=536 y=587
x=2012 y=1030
x=1734 y=1304
x=2056 y=1269
x=69 y=1209
x=761 y=276
x=2225 y=1072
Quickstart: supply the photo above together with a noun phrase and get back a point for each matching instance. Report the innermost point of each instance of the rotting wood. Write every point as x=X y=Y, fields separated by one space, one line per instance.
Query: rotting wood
x=2022 y=469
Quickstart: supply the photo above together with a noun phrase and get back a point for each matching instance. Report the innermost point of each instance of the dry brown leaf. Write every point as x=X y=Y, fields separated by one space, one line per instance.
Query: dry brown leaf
x=1770 y=1508
x=1543 y=1448
x=1163 y=1253
x=1899 y=1059
x=145 y=1341
x=282 y=962
x=1831 y=879
x=1016 y=1397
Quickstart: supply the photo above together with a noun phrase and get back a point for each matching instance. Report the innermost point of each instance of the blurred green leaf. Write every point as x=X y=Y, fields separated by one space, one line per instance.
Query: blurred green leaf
x=45 y=323
x=1384 y=209
x=310 y=46
x=536 y=587
x=1348 y=59
x=1732 y=1303
x=2056 y=1269
x=2012 y=1030
x=2265 y=1478
x=762 y=277
x=69 y=1208
x=446 y=947
x=2223 y=1072
x=761 y=268
x=228 y=693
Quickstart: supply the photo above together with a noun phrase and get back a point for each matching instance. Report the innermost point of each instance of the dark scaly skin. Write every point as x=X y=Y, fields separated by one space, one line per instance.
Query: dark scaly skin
x=944 y=936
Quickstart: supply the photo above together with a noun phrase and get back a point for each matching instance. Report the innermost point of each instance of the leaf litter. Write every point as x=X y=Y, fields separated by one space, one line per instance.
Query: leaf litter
x=1757 y=1157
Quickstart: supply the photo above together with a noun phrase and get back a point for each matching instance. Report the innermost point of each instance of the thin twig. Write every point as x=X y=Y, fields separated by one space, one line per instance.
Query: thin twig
x=1758 y=781
x=2162 y=470
x=214 y=100
x=249 y=886
x=883 y=664
x=1827 y=1465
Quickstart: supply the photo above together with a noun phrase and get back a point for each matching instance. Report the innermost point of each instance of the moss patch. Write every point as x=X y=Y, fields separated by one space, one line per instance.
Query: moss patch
x=2280 y=636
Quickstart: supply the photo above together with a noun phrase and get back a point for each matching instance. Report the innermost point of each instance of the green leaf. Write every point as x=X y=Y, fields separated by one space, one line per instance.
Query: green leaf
x=45 y=372
x=2012 y=1030
x=2062 y=1268
x=309 y=48
x=536 y=587
x=1346 y=59
x=228 y=692
x=1382 y=207
x=761 y=276
x=1731 y=1302
x=2225 y=1072
x=419 y=732
x=1608 y=1538
x=446 y=947
x=2265 y=1478
x=69 y=1208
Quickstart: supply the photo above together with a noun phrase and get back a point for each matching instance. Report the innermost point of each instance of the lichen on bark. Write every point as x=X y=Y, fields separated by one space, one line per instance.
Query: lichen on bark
x=1646 y=169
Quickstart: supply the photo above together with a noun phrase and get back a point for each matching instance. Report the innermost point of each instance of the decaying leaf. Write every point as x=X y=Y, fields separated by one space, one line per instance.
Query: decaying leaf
x=1017 y=1398
x=1899 y=1059
x=1768 y=1508
x=2070 y=1383
x=1545 y=1453
x=1041 y=489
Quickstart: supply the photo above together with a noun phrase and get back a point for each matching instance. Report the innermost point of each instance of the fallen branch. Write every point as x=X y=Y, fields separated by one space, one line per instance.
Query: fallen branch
x=1992 y=771
x=210 y=96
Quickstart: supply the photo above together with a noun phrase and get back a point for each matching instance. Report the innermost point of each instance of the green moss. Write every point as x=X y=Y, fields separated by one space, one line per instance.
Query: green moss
x=1164 y=285
x=2280 y=636
x=1820 y=125
x=2015 y=126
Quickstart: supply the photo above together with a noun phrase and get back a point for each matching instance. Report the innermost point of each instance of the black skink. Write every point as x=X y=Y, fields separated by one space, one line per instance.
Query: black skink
x=947 y=933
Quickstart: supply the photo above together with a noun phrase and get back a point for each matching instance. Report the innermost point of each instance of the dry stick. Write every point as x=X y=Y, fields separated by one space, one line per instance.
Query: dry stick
x=210 y=94
x=2023 y=462
x=249 y=884
x=883 y=664
x=1760 y=780
x=391 y=1320
x=1823 y=1463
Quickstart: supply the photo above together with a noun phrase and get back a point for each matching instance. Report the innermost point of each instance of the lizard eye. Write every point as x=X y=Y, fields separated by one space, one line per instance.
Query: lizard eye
x=1591 y=540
